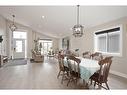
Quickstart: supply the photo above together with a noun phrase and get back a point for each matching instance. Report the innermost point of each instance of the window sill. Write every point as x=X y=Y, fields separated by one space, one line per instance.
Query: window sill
x=110 y=54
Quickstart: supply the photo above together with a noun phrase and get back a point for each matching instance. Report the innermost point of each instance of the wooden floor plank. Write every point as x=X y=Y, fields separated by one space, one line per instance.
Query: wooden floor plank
x=44 y=76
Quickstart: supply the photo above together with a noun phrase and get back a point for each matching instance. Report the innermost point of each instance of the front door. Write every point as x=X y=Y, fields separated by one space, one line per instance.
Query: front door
x=19 y=48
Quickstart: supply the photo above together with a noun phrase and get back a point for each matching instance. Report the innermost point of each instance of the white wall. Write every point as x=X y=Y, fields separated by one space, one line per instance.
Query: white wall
x=60 y=44
x=86 y=43
x=3 y=49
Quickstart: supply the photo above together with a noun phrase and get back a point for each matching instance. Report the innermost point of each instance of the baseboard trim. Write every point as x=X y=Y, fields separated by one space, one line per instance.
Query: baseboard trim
x=118 y=74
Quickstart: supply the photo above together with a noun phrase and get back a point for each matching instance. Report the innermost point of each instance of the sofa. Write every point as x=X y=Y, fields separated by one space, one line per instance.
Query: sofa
x=37 y=56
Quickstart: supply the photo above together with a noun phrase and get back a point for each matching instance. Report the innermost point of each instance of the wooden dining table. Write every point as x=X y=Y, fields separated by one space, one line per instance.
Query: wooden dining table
x=87 y=67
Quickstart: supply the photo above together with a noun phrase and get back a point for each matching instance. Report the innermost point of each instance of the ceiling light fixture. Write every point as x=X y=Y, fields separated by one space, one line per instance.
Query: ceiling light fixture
x=43 y=16
x=78 y=28
x=13 y=26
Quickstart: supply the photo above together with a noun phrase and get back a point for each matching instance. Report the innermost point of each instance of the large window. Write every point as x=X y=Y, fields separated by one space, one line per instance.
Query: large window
x=109 y=41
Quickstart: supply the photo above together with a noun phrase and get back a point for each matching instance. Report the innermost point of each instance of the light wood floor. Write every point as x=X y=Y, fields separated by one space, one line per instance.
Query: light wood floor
x=44 y=76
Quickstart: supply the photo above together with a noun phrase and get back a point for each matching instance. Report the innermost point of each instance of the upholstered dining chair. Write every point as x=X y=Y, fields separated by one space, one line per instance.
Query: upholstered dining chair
x=97 y=56
x=74 y=70
x=101 y=76
x=63 y=70
x=86 y=54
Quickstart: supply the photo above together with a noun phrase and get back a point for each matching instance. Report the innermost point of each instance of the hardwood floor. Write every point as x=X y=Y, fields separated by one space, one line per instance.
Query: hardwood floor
x=44 y=76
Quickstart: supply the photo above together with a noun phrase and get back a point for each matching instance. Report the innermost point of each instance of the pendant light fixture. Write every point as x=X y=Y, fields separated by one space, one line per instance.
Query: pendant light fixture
x=13 y=26
x=78 y=28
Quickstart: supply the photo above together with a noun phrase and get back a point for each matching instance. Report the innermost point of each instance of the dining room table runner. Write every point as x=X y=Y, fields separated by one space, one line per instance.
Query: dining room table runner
x=87 y=67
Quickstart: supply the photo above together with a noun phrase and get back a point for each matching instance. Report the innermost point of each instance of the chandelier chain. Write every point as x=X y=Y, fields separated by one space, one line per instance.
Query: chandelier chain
x=77 y=14
x=13 y=26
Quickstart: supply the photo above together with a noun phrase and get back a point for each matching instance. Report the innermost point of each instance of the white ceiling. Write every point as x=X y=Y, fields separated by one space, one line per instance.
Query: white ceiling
x=59 y=20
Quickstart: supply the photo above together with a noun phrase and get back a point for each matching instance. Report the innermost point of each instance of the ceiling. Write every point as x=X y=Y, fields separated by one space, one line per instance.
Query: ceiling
x=58 y=20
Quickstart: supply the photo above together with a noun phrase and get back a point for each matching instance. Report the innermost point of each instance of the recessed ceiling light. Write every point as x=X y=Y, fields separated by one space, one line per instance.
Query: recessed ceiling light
x=43 y=16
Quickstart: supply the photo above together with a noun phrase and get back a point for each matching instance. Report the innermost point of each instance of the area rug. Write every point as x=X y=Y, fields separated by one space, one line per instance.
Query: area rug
x=16 y=62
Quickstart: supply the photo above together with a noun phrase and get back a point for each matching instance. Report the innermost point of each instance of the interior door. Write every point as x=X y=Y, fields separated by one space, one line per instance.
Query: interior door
x=19 y=48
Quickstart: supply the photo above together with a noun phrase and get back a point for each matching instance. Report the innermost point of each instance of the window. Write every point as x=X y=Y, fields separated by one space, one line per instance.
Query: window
x=19 y=35
x=109 y=41
x=18 y=46
x=102 y=43
x=46 y=45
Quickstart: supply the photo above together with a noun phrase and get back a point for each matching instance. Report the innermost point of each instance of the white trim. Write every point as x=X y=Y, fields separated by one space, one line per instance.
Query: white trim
x=111 y=54
x=118 y=74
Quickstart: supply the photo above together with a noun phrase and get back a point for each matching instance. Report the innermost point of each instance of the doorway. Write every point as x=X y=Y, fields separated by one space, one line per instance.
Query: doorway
x=46 y=46
x=19 y=44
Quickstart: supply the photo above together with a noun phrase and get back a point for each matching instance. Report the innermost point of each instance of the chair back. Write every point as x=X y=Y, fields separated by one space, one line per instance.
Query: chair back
x=104 y=68
x=97 y=56
x=73 y=64
x=61 y=62
x=86 y=54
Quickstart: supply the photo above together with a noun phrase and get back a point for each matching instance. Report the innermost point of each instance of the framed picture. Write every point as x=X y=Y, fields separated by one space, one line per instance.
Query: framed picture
x=65 y=43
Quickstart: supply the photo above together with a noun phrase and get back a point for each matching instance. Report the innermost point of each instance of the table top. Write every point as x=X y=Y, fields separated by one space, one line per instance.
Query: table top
x=87 y=67
x=89 y=63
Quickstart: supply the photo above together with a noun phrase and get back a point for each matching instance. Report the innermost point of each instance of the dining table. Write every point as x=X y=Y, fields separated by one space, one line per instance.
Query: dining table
x=87 y=67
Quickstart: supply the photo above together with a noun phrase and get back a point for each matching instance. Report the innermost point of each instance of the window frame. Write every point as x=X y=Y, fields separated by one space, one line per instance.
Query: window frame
x=120 y=45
